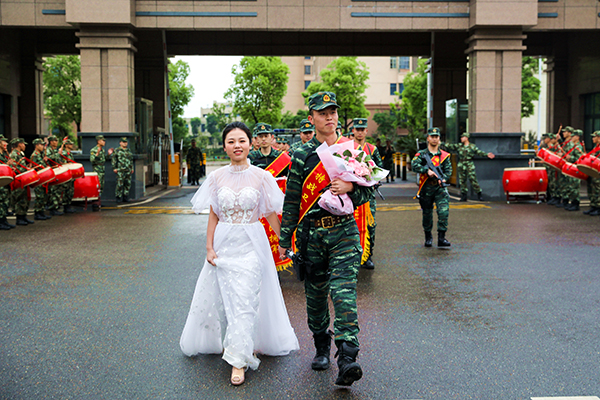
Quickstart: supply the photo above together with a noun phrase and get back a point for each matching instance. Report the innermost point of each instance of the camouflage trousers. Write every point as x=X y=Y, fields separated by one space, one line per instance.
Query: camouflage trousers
x=54 y=199
x=20 y=201
x=594 y=191
x=4 y=201
x=552 y=181
x=371 y=228
x=336 y=254
x=69 y=191
x=41 y=197
x=123 y=183
x=100 y=171
x=570 y=189
x=437 y=195
x=466 y=170
x=194 y=172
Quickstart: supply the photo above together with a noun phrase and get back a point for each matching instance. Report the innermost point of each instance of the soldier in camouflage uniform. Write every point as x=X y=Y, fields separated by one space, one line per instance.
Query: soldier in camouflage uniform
x=266 y=154
x=122 y=163
x=466 y=168
x=4 y=190
x=594 y=183
x=307 y=131
x=570 y=193
x=98 y=160
x=430 y=189
x=562 y=182
x=194 y=163
x=19 y=196
x=549 y=142
x=54 y=199
x=41 y=192
x=360 y=138
x=332 y=246
x=69 y=187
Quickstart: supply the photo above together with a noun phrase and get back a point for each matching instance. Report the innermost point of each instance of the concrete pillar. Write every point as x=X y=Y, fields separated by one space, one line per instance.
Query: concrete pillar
x=150 y=74
x=495 y=62
x=559 y=105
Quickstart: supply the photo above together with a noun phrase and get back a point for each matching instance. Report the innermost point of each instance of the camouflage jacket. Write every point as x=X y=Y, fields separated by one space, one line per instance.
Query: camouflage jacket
x=66 y=156
x=295 y=146
x=575 y=154
x=4 y=157
x=18 y=157
x=38 y=158
x=194 y=156
x=419 y=165
x=53 y=155
x=97 y=158
x=257 y=158
x=465 y=153
x=122 y=159
x=304 y=160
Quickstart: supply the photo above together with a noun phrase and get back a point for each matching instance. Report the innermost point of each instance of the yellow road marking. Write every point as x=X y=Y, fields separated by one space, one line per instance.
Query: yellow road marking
x=411 y=207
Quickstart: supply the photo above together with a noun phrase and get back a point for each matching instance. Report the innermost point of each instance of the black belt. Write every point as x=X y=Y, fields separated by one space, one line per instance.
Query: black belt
x=331 y=220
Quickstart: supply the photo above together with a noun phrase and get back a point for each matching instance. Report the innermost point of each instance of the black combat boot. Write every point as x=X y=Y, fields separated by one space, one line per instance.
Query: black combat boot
x=442 y=241
x=323 y=346
x=589 y=211
x=125 y=198
x=553 y=201
x=574 y=206
x=5 y=222
x=39 y=216
x=118 y=199
x=68 y=210
x=480 y=196
x=4 y=225
x=21 y=220
x=428 y=239
x=595 y=212
x=368 y=264
x=463 y=197
x=349 y=370
x=56 y=212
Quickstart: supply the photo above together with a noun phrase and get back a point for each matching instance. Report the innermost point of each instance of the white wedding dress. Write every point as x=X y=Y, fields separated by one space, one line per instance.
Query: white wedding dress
x=238 y=308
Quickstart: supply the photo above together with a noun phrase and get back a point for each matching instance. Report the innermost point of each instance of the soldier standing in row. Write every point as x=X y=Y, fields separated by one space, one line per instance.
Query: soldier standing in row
x=563 y=145
x=41 y=192
x=122 y=163
x=19 y=198
x=594 y=183
x=573 y=150
x=98 y=160
x=466 y=168
x=69 y=187
x=194 y=163
x=266 y=154
x=54 y=199
x=360 y=138
x=550 y=171
x=331 y=243
x=307 y=131
x=431 y=188
x=4 y=190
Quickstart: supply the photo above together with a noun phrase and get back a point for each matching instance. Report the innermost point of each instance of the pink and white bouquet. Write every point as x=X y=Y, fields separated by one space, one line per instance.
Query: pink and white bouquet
x=343 y=161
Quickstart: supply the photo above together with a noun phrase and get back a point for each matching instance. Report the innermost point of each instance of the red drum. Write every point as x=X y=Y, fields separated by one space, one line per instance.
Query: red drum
x=282 y=183
x=6 y=175
x=551 y=159
x=25 y=179
x=87 y=188
x=525 y=181
x=571 y=170
x=77 y=170
x=63 y=175
x=46 y=175
x=590 y=165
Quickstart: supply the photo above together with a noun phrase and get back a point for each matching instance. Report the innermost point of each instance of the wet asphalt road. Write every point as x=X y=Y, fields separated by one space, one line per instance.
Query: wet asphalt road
x=92 y=306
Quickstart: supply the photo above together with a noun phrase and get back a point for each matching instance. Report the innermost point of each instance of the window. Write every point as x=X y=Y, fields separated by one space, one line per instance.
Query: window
x=393 y=88
x=307 y=70
x=400 y=89
x=307 y=58
x=404 y=62
x=393 y=62
x=591 y=117
x=306 y=83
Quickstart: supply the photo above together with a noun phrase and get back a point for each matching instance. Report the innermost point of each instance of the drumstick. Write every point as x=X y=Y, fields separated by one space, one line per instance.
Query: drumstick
x=37 y=165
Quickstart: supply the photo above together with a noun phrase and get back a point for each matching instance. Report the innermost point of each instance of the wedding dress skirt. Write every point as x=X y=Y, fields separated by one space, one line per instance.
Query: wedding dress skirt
x=238 y=308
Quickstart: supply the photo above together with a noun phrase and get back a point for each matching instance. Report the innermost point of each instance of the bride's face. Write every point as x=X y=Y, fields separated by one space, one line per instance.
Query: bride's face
x=237 y=145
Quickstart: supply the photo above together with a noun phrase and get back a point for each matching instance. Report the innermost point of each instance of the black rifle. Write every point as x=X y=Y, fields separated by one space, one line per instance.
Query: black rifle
x=441 y=178
x=376 y=187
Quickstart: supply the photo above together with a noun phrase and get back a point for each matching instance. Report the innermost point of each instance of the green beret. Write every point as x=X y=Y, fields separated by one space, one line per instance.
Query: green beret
x=567 y=129
x=434 y=132
x=100 y=137
x=38 y=141
x=578 y=132
x=52 y=138
x=359 y=123
x=261 y=128
x=306 y=126
x=322 y=100
x=123 y=139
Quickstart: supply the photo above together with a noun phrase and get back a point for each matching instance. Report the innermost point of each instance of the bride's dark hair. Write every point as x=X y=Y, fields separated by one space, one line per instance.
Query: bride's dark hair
x=236 y=125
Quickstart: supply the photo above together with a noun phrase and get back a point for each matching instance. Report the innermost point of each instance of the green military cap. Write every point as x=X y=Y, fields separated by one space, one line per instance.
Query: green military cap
x=596 y=134
x=306 y=126
x=568 y=129
x=123 y=139
x=68 y=141
x=359 y=122
x=2 y=138
x=551 y=135
x=322 y=100
x=466 y=134
x=18 y=140
x=261 y=127
x=284 y=141
x=38 y=141
x=52 y=138
x=100 y=137
x=578 y=132
x=434 y=132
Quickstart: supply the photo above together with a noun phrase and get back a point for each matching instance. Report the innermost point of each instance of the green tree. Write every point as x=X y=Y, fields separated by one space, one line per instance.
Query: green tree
x=62 y=93
x=258 y=89
x=291 y=121
x=196 y=123
x=217 y=120
x=347 y=78
x=181 y=95
x=386 y=124
x=530 y=86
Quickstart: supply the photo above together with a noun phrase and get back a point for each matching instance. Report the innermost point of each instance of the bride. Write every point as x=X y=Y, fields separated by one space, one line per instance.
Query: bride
x=238 y=308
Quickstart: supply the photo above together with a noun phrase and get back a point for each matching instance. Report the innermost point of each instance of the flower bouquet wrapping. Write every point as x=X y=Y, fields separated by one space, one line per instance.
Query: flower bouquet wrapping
x=343 y=161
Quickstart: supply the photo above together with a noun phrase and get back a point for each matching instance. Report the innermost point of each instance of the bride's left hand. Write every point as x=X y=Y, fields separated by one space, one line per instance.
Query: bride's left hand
x=211 y=256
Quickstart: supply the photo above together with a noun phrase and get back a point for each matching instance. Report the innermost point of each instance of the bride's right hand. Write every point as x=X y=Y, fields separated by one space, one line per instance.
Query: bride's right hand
x=211 y=256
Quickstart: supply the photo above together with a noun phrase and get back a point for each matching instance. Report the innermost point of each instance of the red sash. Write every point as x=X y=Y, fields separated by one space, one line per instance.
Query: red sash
x=279 y=164
x=436 y=160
